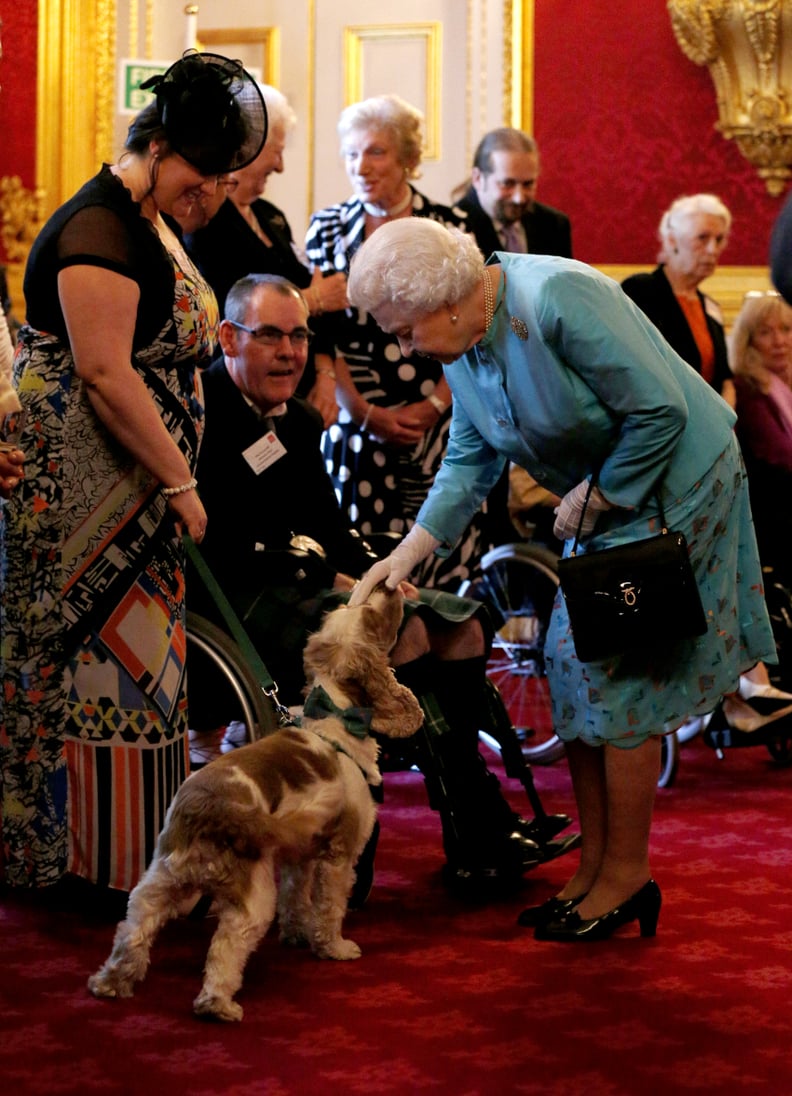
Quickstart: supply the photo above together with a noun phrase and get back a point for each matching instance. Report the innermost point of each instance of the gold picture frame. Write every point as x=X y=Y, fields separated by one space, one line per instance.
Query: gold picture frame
x=268 y=38
x=518 y=64
x=356 y=41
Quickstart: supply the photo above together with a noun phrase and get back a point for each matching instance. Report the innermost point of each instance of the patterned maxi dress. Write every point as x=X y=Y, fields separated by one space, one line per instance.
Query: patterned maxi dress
x=381 y=488
x=93 y=735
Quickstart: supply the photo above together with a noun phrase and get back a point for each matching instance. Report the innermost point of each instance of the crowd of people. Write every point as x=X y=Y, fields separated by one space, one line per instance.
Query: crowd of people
x=188 y=367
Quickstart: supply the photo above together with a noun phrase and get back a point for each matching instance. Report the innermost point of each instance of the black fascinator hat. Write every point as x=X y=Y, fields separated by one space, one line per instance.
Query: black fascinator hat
x=212 y=112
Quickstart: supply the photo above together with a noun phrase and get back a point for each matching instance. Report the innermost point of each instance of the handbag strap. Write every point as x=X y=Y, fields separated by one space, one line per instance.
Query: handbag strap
x=241 y=638
x=591 y=486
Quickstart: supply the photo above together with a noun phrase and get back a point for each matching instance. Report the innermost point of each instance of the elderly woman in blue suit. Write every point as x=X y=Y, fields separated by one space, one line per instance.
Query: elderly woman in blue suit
x=552 y=367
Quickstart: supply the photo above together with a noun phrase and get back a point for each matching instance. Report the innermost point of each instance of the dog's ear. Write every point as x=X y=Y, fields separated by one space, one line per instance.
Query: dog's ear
x=351 y=647
x=395 y=711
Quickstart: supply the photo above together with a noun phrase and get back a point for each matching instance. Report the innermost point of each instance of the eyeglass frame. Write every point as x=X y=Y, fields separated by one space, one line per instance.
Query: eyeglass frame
x=304 y=334
x=759 y=294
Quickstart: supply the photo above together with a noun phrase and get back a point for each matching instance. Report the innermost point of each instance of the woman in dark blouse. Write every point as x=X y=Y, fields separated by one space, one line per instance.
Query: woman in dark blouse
x=249 y=235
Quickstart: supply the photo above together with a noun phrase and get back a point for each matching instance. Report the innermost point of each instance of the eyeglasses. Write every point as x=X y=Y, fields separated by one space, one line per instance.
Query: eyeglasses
x=273 y=336
x=758 y=294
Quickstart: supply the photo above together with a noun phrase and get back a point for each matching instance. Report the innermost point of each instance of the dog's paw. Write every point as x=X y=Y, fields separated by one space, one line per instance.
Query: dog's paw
x=213 y=1007
x=103 y=984
x=339 y=949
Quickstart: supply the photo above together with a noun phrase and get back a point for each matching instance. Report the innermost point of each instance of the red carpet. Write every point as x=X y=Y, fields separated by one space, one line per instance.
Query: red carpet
x=451 y=998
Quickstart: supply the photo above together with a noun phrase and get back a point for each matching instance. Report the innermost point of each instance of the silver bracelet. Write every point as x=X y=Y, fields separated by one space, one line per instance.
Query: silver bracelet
x=365 y=422
x=169 y=492
x=438 y=404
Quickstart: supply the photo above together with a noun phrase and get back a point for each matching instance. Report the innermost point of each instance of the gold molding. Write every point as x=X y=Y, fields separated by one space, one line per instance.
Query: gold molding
x=728 y=285
x=519 y=17
x=431 y=33
x=149 y=32
x=267 y=37
x=74 y=94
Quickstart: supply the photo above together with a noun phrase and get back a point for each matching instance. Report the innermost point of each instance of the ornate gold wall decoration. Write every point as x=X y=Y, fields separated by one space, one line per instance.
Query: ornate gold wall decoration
x=20 y=217
x=747 y=46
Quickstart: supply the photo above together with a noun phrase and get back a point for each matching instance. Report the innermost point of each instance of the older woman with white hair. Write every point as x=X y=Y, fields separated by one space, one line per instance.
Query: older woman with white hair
x=387 y=445
x=249 y=235
x=552 y=367
x=693 y=232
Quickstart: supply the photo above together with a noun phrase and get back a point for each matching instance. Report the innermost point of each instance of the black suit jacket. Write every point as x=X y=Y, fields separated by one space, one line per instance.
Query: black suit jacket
x=655 y=297
x=547 y=230
x=253 y=516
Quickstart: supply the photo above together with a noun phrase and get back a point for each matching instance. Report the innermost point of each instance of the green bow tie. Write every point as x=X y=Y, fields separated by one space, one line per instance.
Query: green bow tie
x=318 y=705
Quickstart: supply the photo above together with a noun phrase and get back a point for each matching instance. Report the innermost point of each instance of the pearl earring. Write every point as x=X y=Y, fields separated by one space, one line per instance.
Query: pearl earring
x=454 y=317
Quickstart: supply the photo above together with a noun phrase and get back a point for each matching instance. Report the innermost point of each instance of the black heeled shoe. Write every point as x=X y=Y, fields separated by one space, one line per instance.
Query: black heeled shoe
x=554 y=909
x=643 y=906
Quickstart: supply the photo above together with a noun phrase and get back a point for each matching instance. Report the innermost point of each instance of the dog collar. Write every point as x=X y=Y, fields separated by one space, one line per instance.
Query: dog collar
x=319 y=705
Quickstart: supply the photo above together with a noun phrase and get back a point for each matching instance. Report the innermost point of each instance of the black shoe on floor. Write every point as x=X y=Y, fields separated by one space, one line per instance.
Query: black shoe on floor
x=542 y=829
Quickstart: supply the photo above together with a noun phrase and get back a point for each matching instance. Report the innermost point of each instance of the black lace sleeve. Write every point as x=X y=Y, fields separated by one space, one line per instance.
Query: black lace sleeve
x=96 y=236
x=100 y=226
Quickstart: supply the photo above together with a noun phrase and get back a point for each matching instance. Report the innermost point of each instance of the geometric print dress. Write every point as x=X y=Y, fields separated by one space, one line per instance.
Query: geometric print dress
x=93 y=734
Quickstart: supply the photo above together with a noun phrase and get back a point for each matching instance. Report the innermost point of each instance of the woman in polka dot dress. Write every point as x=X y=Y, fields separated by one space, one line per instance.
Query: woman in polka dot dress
x=393 y=428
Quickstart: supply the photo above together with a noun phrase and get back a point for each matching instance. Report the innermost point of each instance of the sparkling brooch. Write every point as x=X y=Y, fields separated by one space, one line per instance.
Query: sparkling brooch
x=519 y=328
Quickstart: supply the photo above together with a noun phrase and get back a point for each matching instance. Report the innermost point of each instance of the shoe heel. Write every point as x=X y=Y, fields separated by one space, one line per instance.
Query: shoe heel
x=649 y=901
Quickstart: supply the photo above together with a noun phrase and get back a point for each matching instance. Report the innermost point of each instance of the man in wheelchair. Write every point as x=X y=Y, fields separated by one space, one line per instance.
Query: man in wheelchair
x=279 y=545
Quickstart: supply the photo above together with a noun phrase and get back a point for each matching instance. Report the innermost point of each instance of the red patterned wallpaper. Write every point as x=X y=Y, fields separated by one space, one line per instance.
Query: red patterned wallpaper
x=625 y=124
x=18 y=94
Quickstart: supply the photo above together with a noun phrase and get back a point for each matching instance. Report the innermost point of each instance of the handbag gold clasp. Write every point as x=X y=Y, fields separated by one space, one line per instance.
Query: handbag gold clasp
x=629 y=594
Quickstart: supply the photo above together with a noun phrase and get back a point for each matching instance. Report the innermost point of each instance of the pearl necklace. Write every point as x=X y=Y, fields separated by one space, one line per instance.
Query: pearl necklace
x=378 y=211
x=489 y=301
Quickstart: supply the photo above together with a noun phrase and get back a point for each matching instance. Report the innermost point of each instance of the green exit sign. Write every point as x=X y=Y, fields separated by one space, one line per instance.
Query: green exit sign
x=131 y=75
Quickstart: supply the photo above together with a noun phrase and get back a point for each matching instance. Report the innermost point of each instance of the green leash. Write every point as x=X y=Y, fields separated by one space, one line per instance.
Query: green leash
x=241 y=638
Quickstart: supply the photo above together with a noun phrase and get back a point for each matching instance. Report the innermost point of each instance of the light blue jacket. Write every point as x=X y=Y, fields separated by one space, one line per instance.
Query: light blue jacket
x=571 y=378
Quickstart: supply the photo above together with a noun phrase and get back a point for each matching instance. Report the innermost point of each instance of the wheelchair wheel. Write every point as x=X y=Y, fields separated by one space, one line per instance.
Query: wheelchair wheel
x=221 y=688
x=669 y=760
x=521 y=581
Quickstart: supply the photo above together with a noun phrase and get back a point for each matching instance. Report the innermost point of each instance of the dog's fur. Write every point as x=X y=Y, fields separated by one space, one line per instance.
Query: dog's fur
x=293 y=806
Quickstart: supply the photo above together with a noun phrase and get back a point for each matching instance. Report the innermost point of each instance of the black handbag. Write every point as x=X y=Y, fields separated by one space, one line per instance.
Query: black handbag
x=635 y=597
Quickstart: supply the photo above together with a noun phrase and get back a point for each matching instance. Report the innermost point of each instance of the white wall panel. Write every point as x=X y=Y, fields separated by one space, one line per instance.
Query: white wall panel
x=460 y=87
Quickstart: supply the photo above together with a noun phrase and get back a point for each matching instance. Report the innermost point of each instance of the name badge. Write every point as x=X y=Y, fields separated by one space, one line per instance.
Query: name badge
x=264 y=452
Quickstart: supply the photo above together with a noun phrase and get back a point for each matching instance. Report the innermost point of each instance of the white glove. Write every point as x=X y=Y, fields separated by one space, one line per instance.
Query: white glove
x=570 y=508
x=416 y=546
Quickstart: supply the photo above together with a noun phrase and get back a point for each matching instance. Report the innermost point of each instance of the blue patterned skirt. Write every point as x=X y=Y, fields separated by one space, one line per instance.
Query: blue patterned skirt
x=626 y=699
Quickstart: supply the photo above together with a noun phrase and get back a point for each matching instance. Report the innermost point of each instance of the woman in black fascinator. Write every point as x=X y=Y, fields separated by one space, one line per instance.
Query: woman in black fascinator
x=119 y=321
